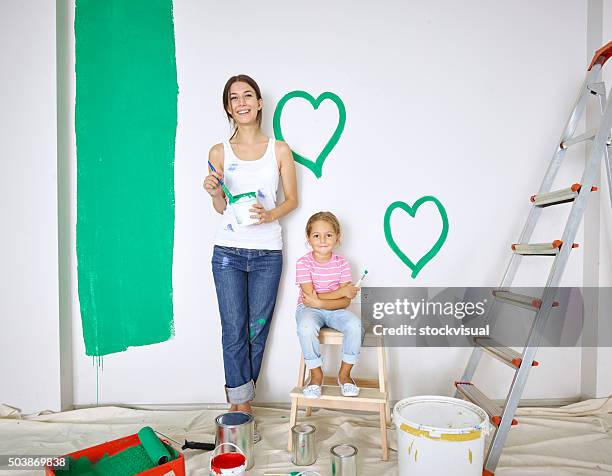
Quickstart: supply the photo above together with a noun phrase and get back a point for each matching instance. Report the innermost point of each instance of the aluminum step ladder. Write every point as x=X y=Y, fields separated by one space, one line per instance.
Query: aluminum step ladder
x=503 y=417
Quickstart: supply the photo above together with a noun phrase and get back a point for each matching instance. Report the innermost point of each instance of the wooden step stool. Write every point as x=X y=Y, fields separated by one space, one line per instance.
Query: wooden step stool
x=373 y=395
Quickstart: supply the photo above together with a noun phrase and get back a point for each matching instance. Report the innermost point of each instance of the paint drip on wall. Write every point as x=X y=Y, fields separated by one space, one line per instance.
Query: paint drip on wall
x=126 y=117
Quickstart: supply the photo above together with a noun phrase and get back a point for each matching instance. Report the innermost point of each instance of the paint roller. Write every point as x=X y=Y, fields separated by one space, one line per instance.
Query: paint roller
x=153 y=446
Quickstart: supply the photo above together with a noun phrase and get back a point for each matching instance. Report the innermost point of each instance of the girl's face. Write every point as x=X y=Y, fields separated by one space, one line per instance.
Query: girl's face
x=243 y=103
x=322 y=237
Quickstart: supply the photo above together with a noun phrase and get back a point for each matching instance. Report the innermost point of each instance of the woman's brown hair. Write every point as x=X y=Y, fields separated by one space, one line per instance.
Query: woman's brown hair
x=240 y=78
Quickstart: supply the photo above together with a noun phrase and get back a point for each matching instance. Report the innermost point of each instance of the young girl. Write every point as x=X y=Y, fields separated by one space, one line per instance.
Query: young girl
x=326 y=291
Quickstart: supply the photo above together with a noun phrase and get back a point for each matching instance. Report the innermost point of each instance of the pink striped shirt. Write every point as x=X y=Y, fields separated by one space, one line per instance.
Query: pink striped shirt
x=325 y=277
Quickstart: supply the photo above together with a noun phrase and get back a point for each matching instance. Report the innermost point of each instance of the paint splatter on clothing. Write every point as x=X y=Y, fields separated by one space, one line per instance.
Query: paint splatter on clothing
x=256 y=326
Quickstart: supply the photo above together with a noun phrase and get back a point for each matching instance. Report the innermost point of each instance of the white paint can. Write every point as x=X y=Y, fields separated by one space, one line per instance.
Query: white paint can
x=242 y=205
x=440 y=435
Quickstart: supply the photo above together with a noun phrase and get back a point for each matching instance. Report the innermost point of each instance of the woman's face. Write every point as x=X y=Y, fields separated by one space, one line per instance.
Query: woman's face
x=243 y=103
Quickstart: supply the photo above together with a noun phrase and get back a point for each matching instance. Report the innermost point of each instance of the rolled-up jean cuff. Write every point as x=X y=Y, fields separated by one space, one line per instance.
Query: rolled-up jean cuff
x=242 y=394
x=313 y=363
x=350 y=359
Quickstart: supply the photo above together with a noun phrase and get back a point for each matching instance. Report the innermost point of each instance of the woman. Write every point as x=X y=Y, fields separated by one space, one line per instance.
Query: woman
x=247 y=259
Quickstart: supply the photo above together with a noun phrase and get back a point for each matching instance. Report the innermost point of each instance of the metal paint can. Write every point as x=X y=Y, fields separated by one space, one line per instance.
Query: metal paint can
x=303 y=451
x=236 y=428
x=343 y=460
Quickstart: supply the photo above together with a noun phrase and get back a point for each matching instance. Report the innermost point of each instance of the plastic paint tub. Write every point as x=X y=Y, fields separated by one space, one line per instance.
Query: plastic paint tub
x=440 y=435
x=233 y=463
x=241 y=206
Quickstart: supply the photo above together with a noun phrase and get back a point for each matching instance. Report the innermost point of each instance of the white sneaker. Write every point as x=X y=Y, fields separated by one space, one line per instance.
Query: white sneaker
x=348 y=389
x=312 y=391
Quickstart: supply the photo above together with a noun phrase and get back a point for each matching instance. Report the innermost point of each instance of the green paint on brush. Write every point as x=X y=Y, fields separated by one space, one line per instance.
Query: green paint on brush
x=126 y=116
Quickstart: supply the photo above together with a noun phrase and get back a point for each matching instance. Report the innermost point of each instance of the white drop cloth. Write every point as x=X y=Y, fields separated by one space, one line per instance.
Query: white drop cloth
x=571 y=440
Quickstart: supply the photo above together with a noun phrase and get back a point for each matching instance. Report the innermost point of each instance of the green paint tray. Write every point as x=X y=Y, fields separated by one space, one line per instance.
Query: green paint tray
x=122 y=457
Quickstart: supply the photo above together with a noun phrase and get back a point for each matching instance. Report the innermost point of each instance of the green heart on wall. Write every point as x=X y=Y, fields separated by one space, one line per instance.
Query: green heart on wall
x=316 y=166
x=426 y=258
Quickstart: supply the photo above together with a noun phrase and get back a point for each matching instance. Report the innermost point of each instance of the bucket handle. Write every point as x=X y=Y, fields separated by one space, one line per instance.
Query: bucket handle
x=214 y=453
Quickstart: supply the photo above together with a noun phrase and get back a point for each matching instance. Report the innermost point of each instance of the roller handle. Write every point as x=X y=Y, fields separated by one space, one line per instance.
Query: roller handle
x=194 y=445
x=602 y=55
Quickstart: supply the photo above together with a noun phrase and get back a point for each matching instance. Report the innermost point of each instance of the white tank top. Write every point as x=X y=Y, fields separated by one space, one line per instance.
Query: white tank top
x=242 y=176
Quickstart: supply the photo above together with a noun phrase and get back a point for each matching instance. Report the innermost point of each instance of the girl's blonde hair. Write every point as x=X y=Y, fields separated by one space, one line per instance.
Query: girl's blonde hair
x=329 y=217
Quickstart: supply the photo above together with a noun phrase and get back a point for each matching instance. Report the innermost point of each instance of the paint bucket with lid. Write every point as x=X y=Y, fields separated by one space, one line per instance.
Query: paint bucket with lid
x=440 y=435
x=303 y=449
x=241 y=205
x=233 y=463
x=343 y=460
x=236 y=428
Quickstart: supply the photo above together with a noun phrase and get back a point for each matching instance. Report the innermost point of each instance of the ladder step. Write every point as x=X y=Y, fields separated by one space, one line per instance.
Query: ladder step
x=471 y=392
x=539 y=249
x=520 y=300
x=580 y=138
x=507 y=355
x=558 y=196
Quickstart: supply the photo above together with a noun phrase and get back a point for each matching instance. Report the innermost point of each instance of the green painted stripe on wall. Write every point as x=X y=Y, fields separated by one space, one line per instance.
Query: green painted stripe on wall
x=126 y=116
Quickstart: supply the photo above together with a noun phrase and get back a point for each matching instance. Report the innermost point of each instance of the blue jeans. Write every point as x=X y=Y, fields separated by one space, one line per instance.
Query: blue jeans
x=247 y=283
x=309 y=322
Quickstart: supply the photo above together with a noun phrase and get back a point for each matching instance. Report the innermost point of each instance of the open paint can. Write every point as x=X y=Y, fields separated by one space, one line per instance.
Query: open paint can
x=343 y=460
x=236 y=428
x=440 y=435
x=241 y=205
x=303 y=449
x=233 y=463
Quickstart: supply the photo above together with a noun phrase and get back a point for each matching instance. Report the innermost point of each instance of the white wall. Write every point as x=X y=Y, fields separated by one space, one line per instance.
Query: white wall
x=29 y=338
x=464 y=102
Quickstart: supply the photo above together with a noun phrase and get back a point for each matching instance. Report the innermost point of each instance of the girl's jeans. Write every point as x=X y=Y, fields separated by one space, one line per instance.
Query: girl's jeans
x=246 y=282
x=310 y=320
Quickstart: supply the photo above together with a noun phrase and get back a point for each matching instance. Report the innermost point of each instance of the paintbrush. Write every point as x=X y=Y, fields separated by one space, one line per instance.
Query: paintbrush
x=230 y=197
x=365 y=271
